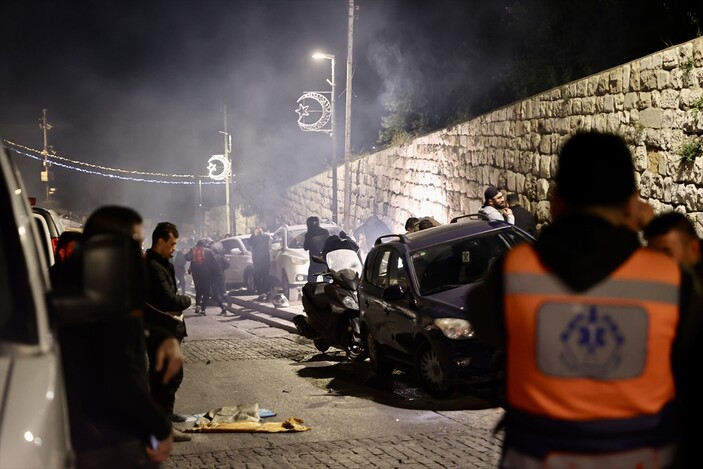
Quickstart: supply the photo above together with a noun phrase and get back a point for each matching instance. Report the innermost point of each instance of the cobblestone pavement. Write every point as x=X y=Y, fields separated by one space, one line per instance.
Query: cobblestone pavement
x=291 y=348
x=468 y=449
x=472 y=446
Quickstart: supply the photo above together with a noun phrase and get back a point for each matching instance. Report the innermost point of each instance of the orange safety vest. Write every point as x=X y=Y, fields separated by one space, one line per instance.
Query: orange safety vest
x=598 y=356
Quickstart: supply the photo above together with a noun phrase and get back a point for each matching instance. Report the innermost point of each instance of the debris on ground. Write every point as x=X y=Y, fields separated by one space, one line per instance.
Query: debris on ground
x=293 y=424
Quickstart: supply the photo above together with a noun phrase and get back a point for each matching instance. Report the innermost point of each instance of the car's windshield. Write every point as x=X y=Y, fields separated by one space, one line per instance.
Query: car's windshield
x=460 y=261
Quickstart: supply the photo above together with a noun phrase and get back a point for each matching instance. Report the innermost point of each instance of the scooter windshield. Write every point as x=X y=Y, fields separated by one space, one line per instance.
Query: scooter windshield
x=342 y=259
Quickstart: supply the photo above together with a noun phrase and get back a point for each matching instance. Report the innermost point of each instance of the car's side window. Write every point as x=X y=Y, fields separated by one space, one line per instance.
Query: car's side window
x=368 y=267
x=17 y=316
x=397 y=275
x=380 y=271
x=277 y=240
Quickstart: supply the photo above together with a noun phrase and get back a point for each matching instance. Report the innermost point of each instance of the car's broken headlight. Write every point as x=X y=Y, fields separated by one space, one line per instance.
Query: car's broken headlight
x=454 y=328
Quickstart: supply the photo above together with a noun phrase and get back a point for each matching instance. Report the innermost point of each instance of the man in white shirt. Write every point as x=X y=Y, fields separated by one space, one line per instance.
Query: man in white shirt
x=495 y=207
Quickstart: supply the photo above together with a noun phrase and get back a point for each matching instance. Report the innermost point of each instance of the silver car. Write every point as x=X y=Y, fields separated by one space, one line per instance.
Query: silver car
x=241 y=269
x=289 y=261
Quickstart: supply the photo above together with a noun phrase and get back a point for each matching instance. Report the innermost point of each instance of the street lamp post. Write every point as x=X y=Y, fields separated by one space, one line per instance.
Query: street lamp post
x=333 y=134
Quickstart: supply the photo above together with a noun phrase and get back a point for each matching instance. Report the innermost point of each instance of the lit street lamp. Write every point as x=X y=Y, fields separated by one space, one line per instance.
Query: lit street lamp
x=333 y=162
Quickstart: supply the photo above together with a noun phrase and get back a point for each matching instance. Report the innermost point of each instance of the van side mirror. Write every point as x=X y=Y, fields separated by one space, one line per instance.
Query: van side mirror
x=113 y=281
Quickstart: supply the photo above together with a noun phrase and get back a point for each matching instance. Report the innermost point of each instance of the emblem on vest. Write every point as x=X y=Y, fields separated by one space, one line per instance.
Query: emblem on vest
x=594 y=341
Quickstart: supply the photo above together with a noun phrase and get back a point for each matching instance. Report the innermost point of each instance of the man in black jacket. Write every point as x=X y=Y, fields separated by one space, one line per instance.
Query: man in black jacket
x=315 y=239
x=164 y=311
x=524 y=219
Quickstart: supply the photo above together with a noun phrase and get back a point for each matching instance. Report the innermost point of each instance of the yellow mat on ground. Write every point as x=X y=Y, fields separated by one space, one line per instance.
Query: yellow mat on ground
x=293 y=424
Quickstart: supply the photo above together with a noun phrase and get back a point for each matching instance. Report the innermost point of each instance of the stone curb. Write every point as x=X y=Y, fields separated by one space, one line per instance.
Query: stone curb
x=281 y=318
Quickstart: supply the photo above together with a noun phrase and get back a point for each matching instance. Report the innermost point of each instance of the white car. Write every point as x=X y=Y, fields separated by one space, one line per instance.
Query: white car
x=34 y=423
x=289 y=261
x=241 y=269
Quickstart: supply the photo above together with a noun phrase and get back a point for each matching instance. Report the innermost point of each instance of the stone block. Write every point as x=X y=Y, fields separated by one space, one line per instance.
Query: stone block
x=651 y=117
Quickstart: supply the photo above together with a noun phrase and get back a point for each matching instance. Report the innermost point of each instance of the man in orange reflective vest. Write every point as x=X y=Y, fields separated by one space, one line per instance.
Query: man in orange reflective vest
x=592 y=327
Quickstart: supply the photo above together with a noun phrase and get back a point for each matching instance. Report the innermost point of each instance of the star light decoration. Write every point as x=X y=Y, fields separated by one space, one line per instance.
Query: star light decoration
x=304 y=111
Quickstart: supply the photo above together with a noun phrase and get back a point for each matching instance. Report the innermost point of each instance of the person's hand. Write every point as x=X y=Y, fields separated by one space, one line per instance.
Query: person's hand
x=169 y=355
x=162 y=451
x=507 y=211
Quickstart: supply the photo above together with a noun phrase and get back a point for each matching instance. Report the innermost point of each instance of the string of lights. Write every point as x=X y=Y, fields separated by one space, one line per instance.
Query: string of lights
x=40 y=157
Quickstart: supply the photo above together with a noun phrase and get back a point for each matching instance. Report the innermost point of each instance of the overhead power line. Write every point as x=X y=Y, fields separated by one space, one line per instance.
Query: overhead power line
x=99 y=170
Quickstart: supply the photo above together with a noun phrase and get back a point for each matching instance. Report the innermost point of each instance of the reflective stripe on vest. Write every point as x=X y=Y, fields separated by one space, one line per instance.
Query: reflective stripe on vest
x=599 y=354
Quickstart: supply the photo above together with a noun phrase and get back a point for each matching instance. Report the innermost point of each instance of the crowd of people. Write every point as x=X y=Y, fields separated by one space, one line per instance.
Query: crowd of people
x=598 y=323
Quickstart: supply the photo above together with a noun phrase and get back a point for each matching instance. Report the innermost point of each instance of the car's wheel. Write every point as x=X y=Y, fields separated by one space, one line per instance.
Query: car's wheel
x=249 y=282
x=321 y=345
x=379 y=363
x=431 y=372
x=285 y=286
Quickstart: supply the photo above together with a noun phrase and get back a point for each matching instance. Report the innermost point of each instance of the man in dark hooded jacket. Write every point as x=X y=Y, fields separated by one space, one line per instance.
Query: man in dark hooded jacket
x=598 y=333
x=315 y=239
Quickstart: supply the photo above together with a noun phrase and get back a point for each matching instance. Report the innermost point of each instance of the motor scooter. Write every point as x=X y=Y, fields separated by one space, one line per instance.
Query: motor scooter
x=331 y=307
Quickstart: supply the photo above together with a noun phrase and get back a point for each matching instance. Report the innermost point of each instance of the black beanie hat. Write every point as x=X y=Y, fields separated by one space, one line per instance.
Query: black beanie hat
x=490 y=192
x=595 y=169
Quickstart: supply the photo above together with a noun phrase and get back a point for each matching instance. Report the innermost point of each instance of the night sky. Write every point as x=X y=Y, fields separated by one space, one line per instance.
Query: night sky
x=141 y=85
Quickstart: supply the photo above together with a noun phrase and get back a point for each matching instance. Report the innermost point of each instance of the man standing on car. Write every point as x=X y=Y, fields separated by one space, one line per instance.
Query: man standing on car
x=495 y=207
x=164 y=311
x=593 y=326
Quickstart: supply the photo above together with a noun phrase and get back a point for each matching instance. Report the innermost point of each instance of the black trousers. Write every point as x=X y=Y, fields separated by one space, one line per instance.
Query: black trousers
x=202 y=290
x=163 y=394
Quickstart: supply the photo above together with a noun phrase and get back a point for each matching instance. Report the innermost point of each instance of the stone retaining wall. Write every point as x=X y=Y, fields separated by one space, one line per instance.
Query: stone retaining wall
x=655 y=102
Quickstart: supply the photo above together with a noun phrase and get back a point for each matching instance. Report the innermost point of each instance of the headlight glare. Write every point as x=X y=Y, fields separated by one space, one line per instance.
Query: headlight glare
x=454 y=328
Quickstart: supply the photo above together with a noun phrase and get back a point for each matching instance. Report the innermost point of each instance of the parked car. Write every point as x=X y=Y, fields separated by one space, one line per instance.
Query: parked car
x=289 y=261
x=34 y=424
x=412 y=301
x=241 y=269
x=46 y=246
x=53 y=222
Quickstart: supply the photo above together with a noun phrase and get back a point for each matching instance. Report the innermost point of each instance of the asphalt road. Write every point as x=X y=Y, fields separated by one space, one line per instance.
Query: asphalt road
x=251 y=356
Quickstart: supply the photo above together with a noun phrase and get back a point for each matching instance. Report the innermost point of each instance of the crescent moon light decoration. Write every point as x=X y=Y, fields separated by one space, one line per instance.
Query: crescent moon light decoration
x=303 y=110
x=212 y=168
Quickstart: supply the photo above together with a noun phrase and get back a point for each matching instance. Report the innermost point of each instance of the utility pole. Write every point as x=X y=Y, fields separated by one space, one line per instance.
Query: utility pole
x=347 y=117
x=46 y=175
x=228 y=149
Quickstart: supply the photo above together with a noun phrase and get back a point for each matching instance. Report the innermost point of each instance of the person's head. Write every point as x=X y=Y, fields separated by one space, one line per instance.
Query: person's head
x=512 y=199
x=494 y=198
x=65 y=244
x=595 y=173
x=424 y=224
x=411 y=224
x=673 y=233
x=164 y=239
x=312 y=222
x=257 y=230
x=113 y=219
